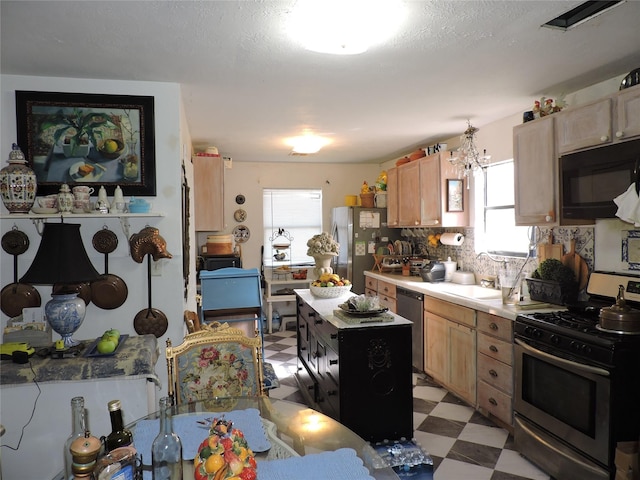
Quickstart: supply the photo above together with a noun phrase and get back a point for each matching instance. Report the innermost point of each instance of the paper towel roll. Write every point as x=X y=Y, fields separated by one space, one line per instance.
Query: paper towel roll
x=452 y=239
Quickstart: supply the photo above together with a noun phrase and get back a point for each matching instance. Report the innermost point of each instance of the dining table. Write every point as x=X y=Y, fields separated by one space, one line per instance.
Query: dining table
x=289 y=440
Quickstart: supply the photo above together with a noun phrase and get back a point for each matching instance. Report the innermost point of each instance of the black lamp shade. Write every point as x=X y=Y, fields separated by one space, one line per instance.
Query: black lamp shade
x=61 y=257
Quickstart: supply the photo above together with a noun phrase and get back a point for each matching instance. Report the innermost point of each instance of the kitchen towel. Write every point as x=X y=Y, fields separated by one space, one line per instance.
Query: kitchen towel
x=628 y=206
x=455 y=239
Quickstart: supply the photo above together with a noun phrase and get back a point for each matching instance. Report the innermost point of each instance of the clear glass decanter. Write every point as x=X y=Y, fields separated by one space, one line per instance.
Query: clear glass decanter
x=78 y=419
x=166 y=450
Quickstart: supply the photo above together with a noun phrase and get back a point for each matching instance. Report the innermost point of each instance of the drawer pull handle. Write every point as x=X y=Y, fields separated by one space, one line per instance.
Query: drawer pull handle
x=310 y=387
x=493 y=402
x=493 y=373
x=493 y=326
x=318 y=321
x=493 y=348
x=302 y=349
x=333 y=336
x=332 y=392
x=333 y=362
x=302 y=326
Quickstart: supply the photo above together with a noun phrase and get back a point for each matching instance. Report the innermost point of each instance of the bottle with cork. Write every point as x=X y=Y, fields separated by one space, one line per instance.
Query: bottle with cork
x=119 y=436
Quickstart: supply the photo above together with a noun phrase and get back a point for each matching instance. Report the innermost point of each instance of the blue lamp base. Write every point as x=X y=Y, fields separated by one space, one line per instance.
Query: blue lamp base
x=65 y=313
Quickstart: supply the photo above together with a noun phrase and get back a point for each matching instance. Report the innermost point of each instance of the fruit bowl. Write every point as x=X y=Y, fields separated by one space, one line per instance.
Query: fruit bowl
x=329 y=292
x=107 y=152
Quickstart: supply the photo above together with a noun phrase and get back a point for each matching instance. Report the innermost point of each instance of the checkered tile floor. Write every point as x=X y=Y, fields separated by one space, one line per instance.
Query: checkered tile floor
x=462 y=443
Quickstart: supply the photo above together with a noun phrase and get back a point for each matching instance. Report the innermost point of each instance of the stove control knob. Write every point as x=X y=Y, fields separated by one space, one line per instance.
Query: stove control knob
x=586 y=349
x=575 y=345
x=555 y=339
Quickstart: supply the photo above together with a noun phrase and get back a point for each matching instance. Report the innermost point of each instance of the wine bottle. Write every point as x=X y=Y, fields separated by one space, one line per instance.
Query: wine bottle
x=78 y=427
x=119 y=436
x=166 y=450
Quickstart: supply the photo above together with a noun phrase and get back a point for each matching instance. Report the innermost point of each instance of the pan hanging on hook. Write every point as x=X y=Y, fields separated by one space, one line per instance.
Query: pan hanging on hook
x=150 y=320
x=16 y=296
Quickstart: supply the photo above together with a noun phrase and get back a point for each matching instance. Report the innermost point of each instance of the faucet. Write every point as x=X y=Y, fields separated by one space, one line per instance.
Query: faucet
x=505 y=264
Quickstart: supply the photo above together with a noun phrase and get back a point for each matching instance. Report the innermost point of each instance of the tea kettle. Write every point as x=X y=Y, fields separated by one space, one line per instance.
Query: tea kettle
x=433 y=271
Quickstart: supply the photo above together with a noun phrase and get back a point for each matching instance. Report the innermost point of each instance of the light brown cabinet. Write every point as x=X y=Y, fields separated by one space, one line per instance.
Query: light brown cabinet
x=450 y=346
x=392 y=197
x=495 y=367
x=385 y=291
x=536 y=172
x=208 y=193
x=628 y=114
x=409 y=194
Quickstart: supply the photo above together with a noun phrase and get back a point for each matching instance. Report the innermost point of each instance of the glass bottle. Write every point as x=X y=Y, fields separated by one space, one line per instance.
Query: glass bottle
x=119 y=436
x=166 y=450
x=78 y=427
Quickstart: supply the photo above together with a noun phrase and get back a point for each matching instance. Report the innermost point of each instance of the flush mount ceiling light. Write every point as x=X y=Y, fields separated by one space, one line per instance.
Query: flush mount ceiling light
x=306 y=144
x=467 y=158
x=344 y=27
x=582 y=13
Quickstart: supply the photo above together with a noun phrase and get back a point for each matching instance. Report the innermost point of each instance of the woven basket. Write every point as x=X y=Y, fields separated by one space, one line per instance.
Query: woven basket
x=329 y=292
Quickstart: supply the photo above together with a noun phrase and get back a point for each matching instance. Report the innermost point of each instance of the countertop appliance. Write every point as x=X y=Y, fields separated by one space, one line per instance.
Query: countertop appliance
x=433 y=271
x=577 y=387
x=591 y=179
x=410 y=306
x=359 y=231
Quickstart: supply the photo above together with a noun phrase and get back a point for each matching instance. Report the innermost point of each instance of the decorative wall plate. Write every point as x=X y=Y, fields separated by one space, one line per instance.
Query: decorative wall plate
x=241 y=233
x=240 y=215
x=240 y=199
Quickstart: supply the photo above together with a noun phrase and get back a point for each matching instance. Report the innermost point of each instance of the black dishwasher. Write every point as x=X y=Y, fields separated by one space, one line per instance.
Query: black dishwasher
x=410 y=306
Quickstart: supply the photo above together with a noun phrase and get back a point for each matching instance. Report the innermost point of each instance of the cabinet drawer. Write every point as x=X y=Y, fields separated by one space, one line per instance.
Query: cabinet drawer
x=303 y=339
x=497 y=326
x=370 y=293
x=388 y=302
x=495 y=373
x=371 y=283
x=495 y=402
x=495 y=348
x=306 y=381
x=386 y=289
x=451 y=311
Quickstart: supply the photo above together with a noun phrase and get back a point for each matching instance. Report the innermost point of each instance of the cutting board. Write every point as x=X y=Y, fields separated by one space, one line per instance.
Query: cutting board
x=576 y=263
x=549 y=250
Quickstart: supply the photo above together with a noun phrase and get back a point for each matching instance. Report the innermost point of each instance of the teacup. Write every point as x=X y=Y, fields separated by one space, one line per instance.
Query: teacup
x=83 y=205
x=82 y=189
x=81 y=196
x=48 y=201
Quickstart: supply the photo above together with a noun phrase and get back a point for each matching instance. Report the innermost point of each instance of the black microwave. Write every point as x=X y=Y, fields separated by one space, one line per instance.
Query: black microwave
x=591 y=179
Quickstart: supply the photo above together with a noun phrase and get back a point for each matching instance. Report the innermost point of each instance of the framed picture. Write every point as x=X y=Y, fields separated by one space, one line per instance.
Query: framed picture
x=88 y=139
x=455 y=195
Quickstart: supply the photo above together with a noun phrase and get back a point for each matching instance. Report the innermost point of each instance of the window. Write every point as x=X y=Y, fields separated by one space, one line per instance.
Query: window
x=297 y=211
x=496 y=231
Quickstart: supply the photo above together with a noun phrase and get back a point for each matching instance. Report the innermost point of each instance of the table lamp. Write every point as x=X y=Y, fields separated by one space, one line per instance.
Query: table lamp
x=62 y=258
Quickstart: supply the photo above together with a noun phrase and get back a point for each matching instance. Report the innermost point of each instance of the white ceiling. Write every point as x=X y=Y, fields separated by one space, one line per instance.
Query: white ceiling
x=246 y=86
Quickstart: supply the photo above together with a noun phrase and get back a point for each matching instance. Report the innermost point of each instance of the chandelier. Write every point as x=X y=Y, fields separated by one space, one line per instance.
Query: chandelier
x=467 y=159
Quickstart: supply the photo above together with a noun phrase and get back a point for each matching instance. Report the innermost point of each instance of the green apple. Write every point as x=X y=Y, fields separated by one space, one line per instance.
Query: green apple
x=106 y=346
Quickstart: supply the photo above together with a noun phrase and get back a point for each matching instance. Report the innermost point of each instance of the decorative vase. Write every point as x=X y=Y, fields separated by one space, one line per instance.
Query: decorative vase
x=323 y=263
x=65 y=313
x=18 y=183
x=65 y=199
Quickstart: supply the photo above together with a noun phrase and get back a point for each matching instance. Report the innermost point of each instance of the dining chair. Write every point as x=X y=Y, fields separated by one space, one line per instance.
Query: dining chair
x=216 y=361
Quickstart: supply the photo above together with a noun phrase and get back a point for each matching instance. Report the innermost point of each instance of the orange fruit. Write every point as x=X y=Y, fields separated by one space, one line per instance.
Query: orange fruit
x=213 y=463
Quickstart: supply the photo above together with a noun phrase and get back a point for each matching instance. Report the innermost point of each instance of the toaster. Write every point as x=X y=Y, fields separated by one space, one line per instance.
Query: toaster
x=433 y=272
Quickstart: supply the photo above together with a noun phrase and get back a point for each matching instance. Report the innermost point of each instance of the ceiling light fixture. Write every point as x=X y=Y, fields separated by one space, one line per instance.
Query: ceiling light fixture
x=344 y=27
x=582 y=13
x=306 y=144
x=467 y=158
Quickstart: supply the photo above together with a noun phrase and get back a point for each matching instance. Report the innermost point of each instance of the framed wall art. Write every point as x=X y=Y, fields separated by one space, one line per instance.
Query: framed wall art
x=88 y=139
x=455 y=195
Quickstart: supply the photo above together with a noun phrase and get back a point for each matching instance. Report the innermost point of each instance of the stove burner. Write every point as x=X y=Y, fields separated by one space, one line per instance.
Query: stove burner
x=568 y=320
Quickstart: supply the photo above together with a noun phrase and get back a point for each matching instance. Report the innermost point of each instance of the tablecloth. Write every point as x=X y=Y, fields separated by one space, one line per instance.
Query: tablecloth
x=341 y=464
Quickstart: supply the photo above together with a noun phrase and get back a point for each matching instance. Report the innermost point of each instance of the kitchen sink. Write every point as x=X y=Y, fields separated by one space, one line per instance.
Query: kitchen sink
x=475 y=292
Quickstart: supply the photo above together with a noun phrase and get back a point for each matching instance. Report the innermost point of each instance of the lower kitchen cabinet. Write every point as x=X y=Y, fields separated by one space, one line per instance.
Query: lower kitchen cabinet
x=450 y=346
x=495 y=367
x=359 y=375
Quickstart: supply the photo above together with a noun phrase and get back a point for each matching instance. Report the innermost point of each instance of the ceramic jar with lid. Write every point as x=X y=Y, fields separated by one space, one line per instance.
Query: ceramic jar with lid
x=65 y=199
x=18 y=183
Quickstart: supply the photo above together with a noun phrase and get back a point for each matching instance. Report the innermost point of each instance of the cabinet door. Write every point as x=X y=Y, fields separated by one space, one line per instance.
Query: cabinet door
x=536 y=173
x=408 y=194
x=628 y=113
x=208 y=193
x=436 y=346
x=586 y=126
x=429 y=191
x=447 y=172
x=462 y=361
x=392 y=197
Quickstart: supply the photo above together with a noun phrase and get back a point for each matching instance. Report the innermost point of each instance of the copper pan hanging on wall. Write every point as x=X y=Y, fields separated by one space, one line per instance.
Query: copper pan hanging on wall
x=109 y=291
x=16 y=296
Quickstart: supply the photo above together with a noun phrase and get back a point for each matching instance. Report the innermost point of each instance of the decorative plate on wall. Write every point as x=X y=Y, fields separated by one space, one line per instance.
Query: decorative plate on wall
x=241 y=233
x=240 y=215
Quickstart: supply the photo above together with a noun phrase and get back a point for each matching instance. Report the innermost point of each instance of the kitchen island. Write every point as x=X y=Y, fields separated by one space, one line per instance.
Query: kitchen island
x=357 y=373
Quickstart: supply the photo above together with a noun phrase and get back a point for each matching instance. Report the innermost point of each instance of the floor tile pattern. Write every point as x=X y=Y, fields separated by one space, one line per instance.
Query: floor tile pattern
x=462 y=443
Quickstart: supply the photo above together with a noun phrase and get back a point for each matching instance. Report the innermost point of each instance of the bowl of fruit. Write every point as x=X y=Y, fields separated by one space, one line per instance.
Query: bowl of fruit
x=330 y=285
x=111 y=148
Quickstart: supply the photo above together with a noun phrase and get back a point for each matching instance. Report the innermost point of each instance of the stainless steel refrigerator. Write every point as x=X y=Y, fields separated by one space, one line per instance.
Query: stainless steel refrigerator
x=359 y=231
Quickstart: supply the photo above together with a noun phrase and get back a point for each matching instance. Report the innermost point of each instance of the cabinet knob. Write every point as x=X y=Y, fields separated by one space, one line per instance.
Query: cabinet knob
x=302 y=349
x=493 y=402
x=332 y=393
x=493 y=373
x=312 y=314
x=619 y=134
x=318 y=321
x=493 y=326
x=302 y=326
x=333 y=336
x=548 y=218
x=493 y=348
x=333 y=362
x=604 y=138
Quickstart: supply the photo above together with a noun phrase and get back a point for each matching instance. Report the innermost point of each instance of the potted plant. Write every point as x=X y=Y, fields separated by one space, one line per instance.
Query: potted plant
x=79 y=130
x=553 y=282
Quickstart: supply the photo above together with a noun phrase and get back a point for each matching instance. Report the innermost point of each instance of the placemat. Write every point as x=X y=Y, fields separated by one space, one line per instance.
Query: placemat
x=192 y=433
x=342 y=464
x=353 y=320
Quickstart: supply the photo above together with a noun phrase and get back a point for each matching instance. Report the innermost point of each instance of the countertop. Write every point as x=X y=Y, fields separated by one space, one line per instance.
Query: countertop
x=447 y=291
x=326 y=306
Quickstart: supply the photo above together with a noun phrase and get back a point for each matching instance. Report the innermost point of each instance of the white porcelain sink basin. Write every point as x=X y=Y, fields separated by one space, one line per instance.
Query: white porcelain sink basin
x=475 y=292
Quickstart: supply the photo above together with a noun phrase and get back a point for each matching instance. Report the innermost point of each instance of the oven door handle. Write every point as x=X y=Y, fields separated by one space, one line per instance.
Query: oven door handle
x=552 y=358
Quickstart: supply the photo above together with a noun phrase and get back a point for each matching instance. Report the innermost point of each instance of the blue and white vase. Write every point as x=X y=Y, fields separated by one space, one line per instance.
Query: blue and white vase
x=65 y=313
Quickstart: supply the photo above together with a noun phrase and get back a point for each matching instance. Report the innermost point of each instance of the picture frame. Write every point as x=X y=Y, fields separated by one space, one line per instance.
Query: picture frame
x=88 y=139
x=455 y=195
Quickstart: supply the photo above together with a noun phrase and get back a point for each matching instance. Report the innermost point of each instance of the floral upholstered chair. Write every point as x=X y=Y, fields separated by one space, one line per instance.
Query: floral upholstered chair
x=216 y=361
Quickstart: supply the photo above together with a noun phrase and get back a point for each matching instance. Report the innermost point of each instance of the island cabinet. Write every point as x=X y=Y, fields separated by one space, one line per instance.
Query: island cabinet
x=495 y=367
x=208 y=192
x=450 y=346
x=359 y=374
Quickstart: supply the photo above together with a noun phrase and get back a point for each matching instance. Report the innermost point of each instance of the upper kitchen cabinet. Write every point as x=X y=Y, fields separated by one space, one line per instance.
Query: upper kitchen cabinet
x=611 y=119
x=454 y=214
x=392 y=197
x=536 y=172
x=208 y=192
